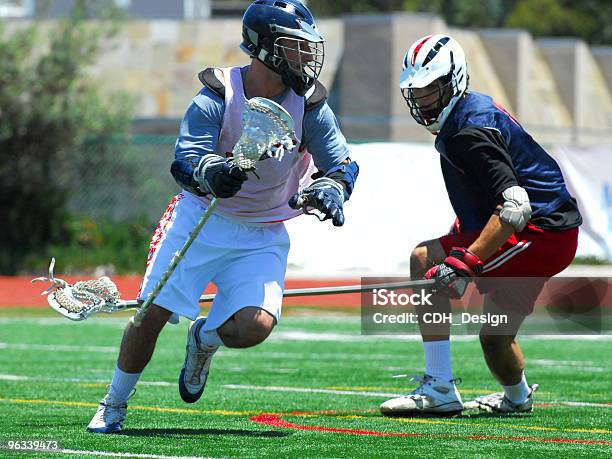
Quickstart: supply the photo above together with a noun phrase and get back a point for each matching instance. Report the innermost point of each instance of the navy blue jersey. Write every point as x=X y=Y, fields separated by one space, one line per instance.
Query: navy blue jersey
x=484 y=151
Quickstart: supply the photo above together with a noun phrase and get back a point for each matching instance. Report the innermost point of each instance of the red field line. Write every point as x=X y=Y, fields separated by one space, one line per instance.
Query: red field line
x=275 y=420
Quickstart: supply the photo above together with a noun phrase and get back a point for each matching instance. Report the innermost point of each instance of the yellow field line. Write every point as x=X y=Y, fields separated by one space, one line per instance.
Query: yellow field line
x=472 y=424
x=132 y=407
x=251 y=413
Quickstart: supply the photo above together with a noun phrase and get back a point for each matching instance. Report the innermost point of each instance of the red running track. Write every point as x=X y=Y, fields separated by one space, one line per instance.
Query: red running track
x=18 y=291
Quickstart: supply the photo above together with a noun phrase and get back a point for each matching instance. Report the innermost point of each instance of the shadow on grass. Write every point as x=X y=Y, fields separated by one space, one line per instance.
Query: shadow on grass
x=202 y=432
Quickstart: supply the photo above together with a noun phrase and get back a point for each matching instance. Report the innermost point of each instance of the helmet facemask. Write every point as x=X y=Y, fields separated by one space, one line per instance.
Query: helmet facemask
x=298 y=61
x=427 y=103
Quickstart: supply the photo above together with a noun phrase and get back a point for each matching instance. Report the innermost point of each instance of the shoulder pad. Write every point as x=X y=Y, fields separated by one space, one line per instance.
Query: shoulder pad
x=316 y=95
x=209 y=79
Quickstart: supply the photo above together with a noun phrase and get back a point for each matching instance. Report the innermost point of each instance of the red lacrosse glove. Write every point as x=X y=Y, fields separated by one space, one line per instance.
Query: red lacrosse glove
x=452 y=275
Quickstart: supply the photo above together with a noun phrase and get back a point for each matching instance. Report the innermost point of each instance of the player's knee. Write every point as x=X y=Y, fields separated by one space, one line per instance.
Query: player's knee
x=255 y=334
x=418 y=261
x=253 y=326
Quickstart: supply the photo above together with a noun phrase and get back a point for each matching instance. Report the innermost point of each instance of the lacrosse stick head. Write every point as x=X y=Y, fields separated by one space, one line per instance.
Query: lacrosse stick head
x=83 y=299
x=268 y=132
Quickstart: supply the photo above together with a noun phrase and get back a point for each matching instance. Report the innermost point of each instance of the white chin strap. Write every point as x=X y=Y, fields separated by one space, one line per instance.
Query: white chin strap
x=437 y=125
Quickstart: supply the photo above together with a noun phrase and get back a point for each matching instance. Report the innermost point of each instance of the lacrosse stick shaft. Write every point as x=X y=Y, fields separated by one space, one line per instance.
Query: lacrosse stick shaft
x=344 y=289
x=318 y=291
x=174 y=263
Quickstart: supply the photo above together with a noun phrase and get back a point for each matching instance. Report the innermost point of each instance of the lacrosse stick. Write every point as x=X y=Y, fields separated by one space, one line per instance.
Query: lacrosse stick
x=268 y=131
x=68 y=299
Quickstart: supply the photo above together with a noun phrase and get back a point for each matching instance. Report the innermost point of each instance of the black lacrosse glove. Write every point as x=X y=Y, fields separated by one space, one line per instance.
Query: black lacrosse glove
x=324 y=195
x=219 y=176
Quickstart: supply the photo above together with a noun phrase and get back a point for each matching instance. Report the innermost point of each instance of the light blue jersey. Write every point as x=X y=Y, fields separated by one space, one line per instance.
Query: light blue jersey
x=201 y=125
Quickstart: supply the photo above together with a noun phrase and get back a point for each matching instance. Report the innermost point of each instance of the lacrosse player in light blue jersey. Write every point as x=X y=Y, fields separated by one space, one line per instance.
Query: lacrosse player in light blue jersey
x=243 y=247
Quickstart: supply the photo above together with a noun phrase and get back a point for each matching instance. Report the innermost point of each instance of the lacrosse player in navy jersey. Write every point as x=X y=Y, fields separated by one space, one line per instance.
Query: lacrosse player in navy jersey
x=243 y=248
x=515 y=218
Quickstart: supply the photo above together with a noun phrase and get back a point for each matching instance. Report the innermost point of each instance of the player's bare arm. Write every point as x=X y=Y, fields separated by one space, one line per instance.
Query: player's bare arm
x=493 y=236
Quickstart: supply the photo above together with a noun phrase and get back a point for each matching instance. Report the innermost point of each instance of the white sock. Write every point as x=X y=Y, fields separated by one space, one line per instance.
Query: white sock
x=517 y=393
x=210 y=338
x=123 y=384
x=438 y=359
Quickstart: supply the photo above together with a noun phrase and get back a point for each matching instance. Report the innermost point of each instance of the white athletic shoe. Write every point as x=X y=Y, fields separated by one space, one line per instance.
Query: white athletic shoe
x=499 y=403
x=110 y=414
x=198 y=356
x=433 y=397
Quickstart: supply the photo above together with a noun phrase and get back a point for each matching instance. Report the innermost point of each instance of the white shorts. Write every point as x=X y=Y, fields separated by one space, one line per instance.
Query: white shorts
x=246 y=262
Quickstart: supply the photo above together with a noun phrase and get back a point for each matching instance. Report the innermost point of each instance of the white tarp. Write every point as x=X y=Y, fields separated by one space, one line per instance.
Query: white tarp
x=400 y=200
x=588 y=175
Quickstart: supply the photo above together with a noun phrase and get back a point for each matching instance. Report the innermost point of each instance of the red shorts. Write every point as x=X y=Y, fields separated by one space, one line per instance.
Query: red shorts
x=533 y=252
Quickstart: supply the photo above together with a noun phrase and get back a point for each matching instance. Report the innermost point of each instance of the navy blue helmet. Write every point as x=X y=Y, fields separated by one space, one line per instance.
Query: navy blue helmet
x=283 y=35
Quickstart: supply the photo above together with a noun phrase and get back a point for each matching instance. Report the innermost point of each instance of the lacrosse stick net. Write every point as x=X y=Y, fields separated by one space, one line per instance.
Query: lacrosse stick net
x=80 y=300
x=268 y=132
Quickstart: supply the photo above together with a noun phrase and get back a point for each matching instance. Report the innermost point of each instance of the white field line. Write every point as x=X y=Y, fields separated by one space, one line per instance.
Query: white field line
x=9 y=377
x=58 y=321
x=303 y=335
x=78 y=452
x=308 y=390
x=375 y=394
x=570 y=403
x=569 y=363
x=336 y=356
x=224 y=353
x=58 y=347
x=561 y=365
x=123 y=320
x=573 y=365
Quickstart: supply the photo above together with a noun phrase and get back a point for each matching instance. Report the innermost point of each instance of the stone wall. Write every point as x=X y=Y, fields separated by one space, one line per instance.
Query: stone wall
x=560 y=89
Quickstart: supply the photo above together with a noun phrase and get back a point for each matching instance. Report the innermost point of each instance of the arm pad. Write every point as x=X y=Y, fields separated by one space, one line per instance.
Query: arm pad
x=346 y=175
x=516 y=210
x=182 y=171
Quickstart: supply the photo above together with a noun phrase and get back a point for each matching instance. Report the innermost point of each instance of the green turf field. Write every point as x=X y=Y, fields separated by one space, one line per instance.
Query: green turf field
x=312 y=390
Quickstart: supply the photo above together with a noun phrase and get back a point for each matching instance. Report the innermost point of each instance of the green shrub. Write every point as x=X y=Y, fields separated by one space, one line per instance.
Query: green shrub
x=117 y=247
x=49 y=107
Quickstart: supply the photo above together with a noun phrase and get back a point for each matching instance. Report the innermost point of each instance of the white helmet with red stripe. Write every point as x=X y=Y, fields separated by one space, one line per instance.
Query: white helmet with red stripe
x=436 y=62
